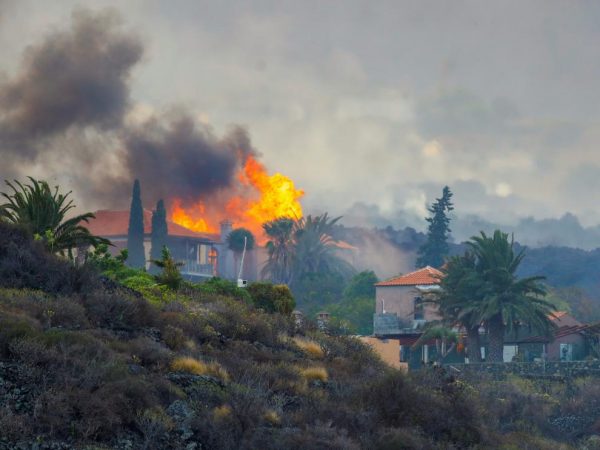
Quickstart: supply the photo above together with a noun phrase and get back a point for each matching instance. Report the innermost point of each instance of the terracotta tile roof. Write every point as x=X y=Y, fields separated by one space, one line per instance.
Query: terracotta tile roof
x=560 y=332
x=424 y=276
x=110 y=223
x=557 y=315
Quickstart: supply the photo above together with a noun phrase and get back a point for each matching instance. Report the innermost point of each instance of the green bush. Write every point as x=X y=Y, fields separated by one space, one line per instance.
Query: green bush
x=219 y=286
x=272 y=297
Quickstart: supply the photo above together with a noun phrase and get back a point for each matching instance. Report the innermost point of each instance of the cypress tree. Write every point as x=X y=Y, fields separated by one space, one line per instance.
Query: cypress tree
x=435 y=248
x=159 y=232
x=135 y=233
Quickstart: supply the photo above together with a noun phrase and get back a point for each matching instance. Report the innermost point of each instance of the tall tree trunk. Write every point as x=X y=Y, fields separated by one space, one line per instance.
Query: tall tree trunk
x=473 y=345
x=496 y=335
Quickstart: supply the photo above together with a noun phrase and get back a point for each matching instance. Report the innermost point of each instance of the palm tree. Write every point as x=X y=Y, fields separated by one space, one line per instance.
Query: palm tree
x=42 y=212
x=445 y=340
x=459 y=285
x=315 y=247
x=237 y=240
x=280 y=248
x=502 y=301
x=303 y=246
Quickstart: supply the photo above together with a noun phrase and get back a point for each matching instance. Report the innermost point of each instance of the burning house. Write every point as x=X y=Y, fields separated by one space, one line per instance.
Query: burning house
x=204 y=255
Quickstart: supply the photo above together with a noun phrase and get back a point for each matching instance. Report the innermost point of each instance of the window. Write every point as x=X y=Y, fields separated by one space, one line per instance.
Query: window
x=418 y=309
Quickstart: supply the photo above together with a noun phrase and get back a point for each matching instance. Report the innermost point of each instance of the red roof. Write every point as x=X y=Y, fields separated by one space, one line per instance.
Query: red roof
x=424 y=276
x=115 y=223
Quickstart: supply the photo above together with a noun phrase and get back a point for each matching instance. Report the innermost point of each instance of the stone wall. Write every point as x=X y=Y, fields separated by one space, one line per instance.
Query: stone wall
x=530 y=369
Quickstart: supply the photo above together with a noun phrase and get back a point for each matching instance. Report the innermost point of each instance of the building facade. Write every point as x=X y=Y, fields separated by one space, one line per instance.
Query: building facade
x=204 y=255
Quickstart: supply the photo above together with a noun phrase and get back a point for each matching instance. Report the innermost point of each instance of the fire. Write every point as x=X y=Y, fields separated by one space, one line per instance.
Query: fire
x=190 y=218
x=279 y=197
x=258 y=198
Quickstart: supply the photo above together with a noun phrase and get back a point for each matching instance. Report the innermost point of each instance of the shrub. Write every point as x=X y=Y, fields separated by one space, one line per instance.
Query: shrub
x=174 y=337
x=312 y=348
x=15 y=326
x=25 y=263
x=315 y=374
x=272 y=417
x=222 y=412
x=196 y=367
x=218 y=286
x=272 y=297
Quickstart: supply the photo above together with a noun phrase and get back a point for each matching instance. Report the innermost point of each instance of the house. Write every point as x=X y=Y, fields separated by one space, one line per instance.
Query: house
x=204 y=255
x=401 y=311
x=399 y=301
x=570 y=341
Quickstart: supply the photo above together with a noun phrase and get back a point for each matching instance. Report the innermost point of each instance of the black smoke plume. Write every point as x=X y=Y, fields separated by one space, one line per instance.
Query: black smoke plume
x=75 y=78
x=76 y=81
x=173 y=155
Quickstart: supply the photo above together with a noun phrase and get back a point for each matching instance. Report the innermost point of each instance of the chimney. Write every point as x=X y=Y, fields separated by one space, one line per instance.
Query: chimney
x=322 y=320
x=298 y=318
x=226 y=228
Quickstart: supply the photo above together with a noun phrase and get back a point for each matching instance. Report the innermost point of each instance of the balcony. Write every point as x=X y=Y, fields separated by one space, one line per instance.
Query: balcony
x=192 y=268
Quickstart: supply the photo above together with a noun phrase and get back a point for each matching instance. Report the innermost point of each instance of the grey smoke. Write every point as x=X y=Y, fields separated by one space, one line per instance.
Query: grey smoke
x=74 y=78
x=173 y=155
x=77 y=81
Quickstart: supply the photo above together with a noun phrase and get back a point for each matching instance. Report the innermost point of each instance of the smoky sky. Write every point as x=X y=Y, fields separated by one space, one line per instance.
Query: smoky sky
x=378 y=104
x=76 y=78
x=174 y=156
x=78 y=81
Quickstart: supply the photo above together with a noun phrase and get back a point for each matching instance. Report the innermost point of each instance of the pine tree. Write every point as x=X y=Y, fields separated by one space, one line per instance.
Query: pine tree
x=433 y=251
x=159 y=231
x=135 y=233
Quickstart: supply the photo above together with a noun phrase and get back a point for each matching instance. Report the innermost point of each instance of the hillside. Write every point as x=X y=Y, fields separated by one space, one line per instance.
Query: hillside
x=86 y=363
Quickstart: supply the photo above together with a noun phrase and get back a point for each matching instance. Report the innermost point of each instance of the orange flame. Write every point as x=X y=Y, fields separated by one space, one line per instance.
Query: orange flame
x=279 y=197
x=259 y=197
x=190 y=218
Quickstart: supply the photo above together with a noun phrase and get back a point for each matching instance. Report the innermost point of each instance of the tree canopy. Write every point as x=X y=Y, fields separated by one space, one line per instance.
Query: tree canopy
x=42 y=212
x=159 y=230
x=435 y=248
x=481 y=287
x=135 y=232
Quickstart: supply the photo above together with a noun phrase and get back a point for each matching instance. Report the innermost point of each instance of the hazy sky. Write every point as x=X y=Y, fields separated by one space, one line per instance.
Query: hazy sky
x=380 y=103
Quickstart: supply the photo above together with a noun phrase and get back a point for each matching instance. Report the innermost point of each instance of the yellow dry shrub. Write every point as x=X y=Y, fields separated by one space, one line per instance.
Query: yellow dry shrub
x=315 y=374
x=196 y=367
x=221 y=412
x=272 y=417
x=312 y=348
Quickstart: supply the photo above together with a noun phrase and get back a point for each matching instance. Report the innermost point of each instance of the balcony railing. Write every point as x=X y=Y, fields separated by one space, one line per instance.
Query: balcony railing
x=194 y=268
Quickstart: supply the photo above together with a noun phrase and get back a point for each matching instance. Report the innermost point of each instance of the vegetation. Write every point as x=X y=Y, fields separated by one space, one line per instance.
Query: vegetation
x=159 y=232
x=42 y=212
x=237 y=240
x=458 y=287
x=302 y=254
x=170 y=275
x=272 y=297
x=481 y=287
x=435 y=248
x=280 y=248
x=86 y=362
x=135 y=232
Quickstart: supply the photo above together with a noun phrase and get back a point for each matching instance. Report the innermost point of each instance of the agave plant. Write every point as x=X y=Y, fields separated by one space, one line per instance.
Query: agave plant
x=42 y=211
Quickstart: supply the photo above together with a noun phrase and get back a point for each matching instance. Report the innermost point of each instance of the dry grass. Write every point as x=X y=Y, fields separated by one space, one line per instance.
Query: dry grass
x=312 y=348
x=272 y=417
x=315 y=374
x=221 y=412
x=196 y=367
